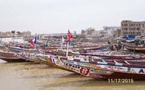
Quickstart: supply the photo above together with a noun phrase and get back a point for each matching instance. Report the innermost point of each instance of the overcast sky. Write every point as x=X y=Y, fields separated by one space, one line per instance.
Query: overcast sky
x=57 y=16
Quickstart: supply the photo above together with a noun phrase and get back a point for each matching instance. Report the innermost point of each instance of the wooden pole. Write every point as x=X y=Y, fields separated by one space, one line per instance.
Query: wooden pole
x=67 y=47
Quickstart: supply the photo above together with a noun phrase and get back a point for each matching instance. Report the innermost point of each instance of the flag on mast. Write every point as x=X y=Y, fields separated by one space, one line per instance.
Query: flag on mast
x=69 y=36
x=33 y=41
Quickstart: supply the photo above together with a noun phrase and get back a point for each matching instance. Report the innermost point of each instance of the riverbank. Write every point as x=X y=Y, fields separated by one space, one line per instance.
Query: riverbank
x=30 y=76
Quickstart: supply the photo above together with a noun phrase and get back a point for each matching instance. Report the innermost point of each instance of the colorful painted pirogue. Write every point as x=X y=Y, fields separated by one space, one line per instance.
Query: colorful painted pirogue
x=113 y=55
x=133 y=47
x=101 y=69
x=10 y=57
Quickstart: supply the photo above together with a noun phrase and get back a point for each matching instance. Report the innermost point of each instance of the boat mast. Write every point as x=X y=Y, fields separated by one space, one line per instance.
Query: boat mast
x=69 y=37
x=13 y=35
x=62 y=41
x=67 y=47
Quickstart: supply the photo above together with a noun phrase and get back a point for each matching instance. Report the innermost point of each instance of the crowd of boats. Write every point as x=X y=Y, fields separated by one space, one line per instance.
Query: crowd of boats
x=95 y=60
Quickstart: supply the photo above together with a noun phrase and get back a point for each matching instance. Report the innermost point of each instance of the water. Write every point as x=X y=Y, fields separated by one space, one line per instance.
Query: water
x=30 y=76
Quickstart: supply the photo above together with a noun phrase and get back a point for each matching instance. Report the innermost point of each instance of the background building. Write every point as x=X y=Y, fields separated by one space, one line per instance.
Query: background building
x=89 y=31
x=116 y=33
x=108 y=30
x=133 y=27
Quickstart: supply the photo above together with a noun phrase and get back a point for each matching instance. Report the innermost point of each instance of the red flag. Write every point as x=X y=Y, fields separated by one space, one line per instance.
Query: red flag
x=31 y=42
x=69 y=36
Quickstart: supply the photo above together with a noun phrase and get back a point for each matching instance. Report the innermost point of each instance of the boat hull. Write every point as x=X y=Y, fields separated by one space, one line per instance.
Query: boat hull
x=122 y=75
x=135 y=48
x=13 y=60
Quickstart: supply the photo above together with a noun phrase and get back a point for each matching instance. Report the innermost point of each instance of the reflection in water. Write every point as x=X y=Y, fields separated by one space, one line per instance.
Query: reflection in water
x=30 y=76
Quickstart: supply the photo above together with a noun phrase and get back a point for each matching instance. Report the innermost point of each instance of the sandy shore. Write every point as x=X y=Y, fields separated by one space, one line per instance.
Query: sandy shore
x=29 y=76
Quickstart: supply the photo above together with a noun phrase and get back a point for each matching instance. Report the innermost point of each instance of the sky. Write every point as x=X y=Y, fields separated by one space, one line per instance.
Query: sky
x=57 y=16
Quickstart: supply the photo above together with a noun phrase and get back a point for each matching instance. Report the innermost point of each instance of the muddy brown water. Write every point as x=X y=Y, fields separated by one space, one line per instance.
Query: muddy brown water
x=30 y=76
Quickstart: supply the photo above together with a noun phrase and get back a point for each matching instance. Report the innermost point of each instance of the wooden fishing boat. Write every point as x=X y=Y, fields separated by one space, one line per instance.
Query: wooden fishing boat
x=123 y=76
x=53 y=61
x=132 y=69
x=13 y=59
x=135 y=48
x=73 y=50
x=77 y=66
x=10 y=57
x=106 y=69
x=116 y=56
